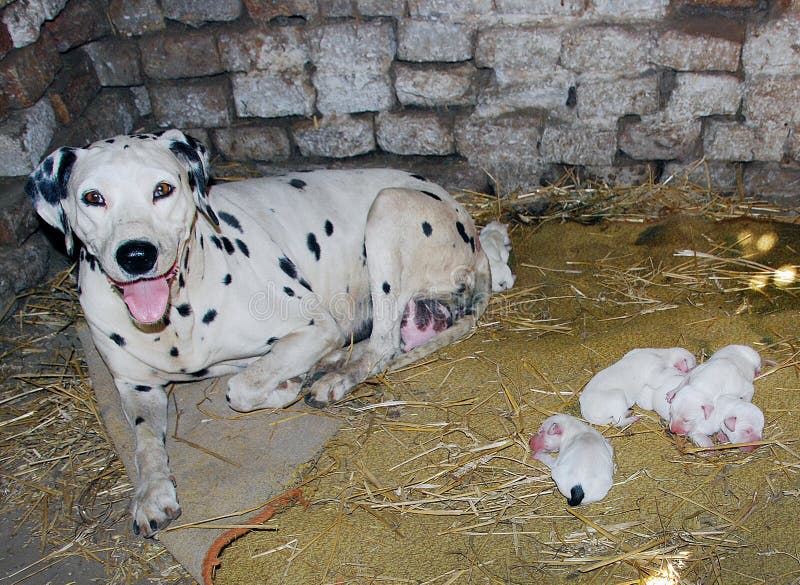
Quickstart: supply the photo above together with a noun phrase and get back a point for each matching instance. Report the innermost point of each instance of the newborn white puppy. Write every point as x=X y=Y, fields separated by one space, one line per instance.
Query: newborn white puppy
x=728 y=372
x=497 y=245
x=609 y=395
x=738 y=420
x=584 y=468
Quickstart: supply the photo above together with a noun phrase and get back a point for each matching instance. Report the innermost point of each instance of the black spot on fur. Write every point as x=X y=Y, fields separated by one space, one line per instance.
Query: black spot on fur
x=462 y=232
x=200 y=373
x=311 y=323
x=210 y=315
x=181 y=281
x=243 y=247
x=230 y=220
x=576 y=495
x=184 y=310
x=386 y=287
x=142 y=388
x=216 y=242
x=420 y=178
x=227 y=280
x=305 y=284
x=228 y=245
x=362 y=332
x=427 y=229
x=328 y=228
x=139 y=420
x=313 y=245
x=118 y=339
x=472 y=244
x=271 y=340
x=288 y=291
x=434 y=195
x=202 y=245
x=186 y=261
x=173 y=351
x=288 y=267
x=298 y=184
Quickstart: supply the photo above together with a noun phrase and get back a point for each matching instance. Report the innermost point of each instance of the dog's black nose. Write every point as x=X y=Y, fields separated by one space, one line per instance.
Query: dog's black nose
x=137 y=257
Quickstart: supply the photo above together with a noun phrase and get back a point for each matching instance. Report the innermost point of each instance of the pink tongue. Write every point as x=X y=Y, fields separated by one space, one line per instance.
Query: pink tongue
x=147 y=299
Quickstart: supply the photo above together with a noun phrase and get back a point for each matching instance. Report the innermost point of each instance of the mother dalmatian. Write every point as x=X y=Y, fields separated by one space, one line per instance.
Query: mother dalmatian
x=268 y=279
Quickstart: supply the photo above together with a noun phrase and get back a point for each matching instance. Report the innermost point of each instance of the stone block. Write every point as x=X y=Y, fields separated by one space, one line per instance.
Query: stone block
x=23 y=19
x=336 y=8
x=704 y=94
x=23 y=267
x=352 y=66
x=578 y=145
x=541 y=9
x=423 y=41
x=695 y=52
x=136 y=17
x=266 y=10
x=26 y=73
x=141 y=98
x=659 y=137
x=518 y=54
x=742 y=142
x=74 y=88
x=605 y=99
x=266 y=95
x=415 y=132
x=395 y=8
x=794 y=144
x=454 y=10
x=629 y=9
x=196 y=12
x=170 y=55
x=434 y=85
x=769 y=98
x=622 y=175
x=18 y=219
x=717 y=176
x=81 y=21
x=111 y=112
x=780 y=183
x=260 y=143
x=278 y=50
x=547 y=92
x=773 y=47
x=335 y=136
x=188 y=103
x=24 y=138
x=606 y=49
x=505 y=147
x=116 y=62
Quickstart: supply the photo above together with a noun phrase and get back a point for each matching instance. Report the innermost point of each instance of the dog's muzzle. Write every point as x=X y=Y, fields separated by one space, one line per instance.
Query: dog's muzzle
x=147 y=298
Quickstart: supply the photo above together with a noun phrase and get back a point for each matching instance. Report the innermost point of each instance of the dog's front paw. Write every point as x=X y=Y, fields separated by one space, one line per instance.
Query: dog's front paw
x=155 y=505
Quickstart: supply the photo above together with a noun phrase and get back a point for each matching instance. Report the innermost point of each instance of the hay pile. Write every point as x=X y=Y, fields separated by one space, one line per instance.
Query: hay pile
x=431 y=479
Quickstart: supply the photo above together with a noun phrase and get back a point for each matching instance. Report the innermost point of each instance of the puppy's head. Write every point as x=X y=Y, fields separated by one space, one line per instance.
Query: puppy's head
x=743 y=421
x=681 y=359
x=687 y=408
x=132 y=201
x=550 y=435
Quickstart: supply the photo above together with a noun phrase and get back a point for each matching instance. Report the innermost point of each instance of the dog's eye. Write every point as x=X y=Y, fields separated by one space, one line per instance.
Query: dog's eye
x=94 y=198
x=163 y=189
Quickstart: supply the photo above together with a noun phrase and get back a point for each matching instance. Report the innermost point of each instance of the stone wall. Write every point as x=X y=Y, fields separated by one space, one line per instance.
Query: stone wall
x=516 y=89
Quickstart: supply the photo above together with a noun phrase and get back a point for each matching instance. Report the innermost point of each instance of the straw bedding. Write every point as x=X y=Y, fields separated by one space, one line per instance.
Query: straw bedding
x=431 y=480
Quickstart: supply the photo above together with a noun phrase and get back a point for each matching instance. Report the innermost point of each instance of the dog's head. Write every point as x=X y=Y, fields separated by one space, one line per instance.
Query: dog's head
x=132 y=201
x=743 y=422
x=687 y=409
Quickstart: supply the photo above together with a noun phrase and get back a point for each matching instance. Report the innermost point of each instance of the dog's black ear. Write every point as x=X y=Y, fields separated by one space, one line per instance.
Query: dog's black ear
x=48 y=187
x=194 y=156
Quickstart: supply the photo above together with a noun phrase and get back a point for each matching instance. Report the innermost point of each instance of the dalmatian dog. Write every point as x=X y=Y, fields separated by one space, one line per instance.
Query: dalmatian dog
x=267 y=279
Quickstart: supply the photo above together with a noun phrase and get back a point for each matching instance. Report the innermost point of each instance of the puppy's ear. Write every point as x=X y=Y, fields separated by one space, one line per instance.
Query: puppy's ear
x=194 y=156
x=682 y=366
x=730 y=423
x=707 y=410
x=48 y=186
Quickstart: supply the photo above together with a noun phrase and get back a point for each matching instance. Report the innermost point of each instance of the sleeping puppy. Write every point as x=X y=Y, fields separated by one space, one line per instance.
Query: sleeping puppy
x=729 y=371
x=584 y=469
x=737 y=420
x=609 y=395
x=497 y=245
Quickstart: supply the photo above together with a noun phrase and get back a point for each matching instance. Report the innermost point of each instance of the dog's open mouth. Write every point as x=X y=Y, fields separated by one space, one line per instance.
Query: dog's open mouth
x=147 y=298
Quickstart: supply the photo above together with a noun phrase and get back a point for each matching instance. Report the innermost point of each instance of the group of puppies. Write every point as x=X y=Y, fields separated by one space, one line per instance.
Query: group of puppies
x=706 y=402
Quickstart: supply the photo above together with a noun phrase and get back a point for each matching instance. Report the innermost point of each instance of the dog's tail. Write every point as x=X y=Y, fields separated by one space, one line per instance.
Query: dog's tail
x=576 y=495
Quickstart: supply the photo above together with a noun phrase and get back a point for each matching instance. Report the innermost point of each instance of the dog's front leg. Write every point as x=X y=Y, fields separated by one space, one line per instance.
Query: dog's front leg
x=155 y=502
